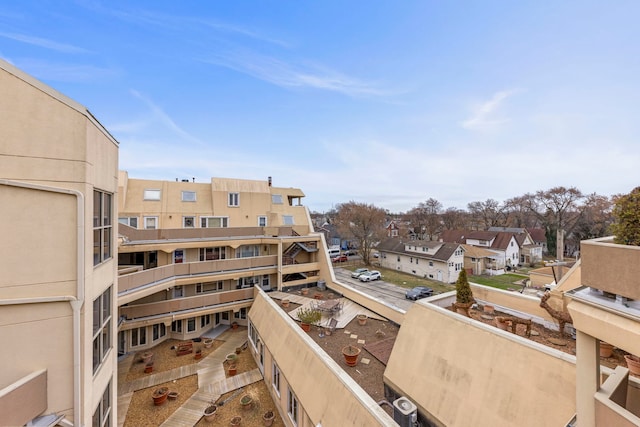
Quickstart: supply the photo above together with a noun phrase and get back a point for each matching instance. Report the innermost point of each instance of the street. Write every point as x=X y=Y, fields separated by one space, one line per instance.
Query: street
x=387 y=292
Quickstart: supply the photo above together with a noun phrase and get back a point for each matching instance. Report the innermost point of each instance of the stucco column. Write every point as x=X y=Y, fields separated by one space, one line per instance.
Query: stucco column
x=587 y=378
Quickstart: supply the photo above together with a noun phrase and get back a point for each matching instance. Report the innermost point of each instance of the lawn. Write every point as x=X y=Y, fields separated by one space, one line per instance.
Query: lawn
x=504 y=281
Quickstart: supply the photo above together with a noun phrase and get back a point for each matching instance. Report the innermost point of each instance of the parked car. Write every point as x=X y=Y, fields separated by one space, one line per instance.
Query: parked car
x=340 y=258
x=418 y=292
x=350 y=252
x=369 y=276
x=358 y=272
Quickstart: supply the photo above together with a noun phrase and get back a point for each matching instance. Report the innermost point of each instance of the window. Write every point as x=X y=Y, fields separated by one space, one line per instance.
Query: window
x=205 y=320
x=242 y=314
x=101 y=328
x=188 y=196
x=275 y=380
x=411 y=260
x=430 y=263
x=178 y=292
x=130 y=221
x=265 y=280
x=176 y=326
x=178 y=256
x=191 y=324
x=159 y=330
x=247 y=251
x=292 y=406
x=188 y=221
x=212 y=254
x=276 y=199
x=262 y=221
x=234 y=199
x=214 y=221
x=150 y=222
x=287 y=219
x=253 y=334
x=398 y=258
x=101 y=226
x=138 y=336
x=102 y=415
x=203 y=288
x=152 y=194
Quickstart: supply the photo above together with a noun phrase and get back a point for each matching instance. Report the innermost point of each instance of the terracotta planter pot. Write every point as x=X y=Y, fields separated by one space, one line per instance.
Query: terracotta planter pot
x=362 y=319
x=351 y=354
x=304 y=291
x=285 y=303
x=488 y=309
x=233 y=369
x=173 y=395
x=633 y=363
x=267 y=418
x=197 y=355
x=317 y=296
x=210 y=413
x=247 y=402
x=160 y=396
x=146 y=357
x=238 y=350
x=305 y=326
x=234 y=325
x=501 y=323
x=235 y=421
x=606 y=349
x=208 y=342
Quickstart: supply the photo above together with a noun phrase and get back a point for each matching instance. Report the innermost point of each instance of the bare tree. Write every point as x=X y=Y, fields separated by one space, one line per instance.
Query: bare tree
x=363 y=223
x=485 y=214
x=425 y=219
x=453 y=219
x=596 y=218
x=518 y=213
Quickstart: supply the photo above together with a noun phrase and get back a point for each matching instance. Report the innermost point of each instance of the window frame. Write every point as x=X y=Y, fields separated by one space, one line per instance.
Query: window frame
x=233 y=199
x=101 y=337
x=288 y=220
x=188 y=199
x=127 y=220
x=262 y=221
x=186 y=219
x=146 y=218
x=292 y=406
x=275 y=378
x=152 y=194
x=102 y=226
x=102 y=415
x=204 y=221
x=277 y=199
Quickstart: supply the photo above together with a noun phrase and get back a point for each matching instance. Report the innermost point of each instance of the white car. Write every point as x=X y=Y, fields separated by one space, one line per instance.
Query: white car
x=358 y=272
x=370 y=275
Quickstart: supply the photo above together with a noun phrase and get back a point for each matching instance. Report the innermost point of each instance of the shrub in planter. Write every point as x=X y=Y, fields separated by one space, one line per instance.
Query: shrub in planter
x=309 y=316
x=267 y=418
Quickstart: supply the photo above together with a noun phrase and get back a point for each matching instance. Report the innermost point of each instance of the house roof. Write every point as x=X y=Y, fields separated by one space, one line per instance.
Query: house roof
x=477 y=252
x=537 y=234
x=444 y=252
x=454 y=236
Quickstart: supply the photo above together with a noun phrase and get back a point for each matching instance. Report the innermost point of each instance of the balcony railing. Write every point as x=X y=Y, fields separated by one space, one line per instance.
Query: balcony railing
x=24 y=400
x=610 y=267
x=612 y=399
x=157 y=275
x=187 y=303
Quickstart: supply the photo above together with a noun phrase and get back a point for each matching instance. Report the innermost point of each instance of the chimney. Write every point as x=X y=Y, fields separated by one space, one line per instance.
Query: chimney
x=269 y=181
x=194 y=179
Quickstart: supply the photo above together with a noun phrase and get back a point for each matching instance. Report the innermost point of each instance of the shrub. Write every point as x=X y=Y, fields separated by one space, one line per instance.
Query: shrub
x=463 y=289
x=309 y=315
x=626 y=212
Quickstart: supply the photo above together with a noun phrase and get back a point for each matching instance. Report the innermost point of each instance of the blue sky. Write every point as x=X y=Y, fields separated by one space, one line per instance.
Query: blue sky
x=389 y=103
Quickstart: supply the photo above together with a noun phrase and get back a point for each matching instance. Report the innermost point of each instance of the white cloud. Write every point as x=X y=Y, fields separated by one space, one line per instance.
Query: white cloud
x=44 y=43
x=485 y=116
x=289 y=75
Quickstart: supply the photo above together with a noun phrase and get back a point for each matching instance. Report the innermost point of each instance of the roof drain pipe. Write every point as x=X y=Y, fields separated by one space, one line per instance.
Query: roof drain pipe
x=77 y=302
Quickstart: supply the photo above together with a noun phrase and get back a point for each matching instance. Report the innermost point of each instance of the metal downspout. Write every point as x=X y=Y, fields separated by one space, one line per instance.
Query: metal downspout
x=78 y=301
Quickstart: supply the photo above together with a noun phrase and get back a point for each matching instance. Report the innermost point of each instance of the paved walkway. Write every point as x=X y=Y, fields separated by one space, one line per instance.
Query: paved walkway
x=212 y=381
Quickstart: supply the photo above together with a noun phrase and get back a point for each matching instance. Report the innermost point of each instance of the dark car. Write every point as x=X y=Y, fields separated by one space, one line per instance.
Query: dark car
x=419 y=292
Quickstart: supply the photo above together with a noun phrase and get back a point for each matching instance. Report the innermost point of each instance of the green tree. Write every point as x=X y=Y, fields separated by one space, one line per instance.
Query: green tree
x=626 y=212
x=463 y=289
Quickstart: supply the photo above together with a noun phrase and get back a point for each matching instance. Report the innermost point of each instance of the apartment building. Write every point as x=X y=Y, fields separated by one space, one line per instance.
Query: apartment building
x=190 y=253
x=58 y=184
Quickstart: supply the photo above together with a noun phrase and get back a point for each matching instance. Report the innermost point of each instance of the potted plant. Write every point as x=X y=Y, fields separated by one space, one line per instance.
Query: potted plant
x=210 y=412
x=148 y=368
x=231 y=357
x=633 y=363
x=234 y=325
x=464 y=296
x=235 y=421
x=247 y=402
x=362 y=319
x=267 y=418
x=606 y=349
x=308 y=317
x=351 y=353
x=207 y=342
x=304 y=291
x=233 y=369
x=160 y=395
x=173 y=395
x=285 y=302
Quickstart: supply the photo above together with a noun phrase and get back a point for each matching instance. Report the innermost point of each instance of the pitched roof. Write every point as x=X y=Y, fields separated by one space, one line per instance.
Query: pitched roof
x=537 y=234
x=477 y=252
x=454 y=236
x=444 y=252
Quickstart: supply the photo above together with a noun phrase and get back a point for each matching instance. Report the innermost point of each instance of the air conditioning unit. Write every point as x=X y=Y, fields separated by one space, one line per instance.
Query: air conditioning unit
x=405 y=412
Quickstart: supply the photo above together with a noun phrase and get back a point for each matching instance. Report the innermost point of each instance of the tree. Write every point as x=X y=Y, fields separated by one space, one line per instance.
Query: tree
x=626 y=212
x=363 y=223
x=485 y=214
x=596 y=218
x=517 y=213
x=453 y=218
x=464 y=295
x=425 y=219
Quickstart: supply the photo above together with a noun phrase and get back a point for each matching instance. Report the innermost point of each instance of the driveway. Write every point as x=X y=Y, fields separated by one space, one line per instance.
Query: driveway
x=387 y=292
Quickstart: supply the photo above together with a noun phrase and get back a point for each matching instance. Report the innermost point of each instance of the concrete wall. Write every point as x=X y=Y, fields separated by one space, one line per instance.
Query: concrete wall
x=327 y=395
x=463 y=373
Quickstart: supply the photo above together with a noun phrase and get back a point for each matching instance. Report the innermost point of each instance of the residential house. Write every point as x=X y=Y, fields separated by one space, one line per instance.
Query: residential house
x=479 y=261
x=392 y=227
x=530 y=249
x=434 y=260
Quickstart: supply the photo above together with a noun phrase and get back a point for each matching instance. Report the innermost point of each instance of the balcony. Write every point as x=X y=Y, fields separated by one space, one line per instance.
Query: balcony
x=160 y=275
x=611 y=268
x=137 y=311
x=614 y=402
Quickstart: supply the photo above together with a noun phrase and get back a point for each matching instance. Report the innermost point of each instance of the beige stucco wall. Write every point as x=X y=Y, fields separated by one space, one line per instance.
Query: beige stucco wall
x=51 y=141
x=327 y=395
x=466 y=373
